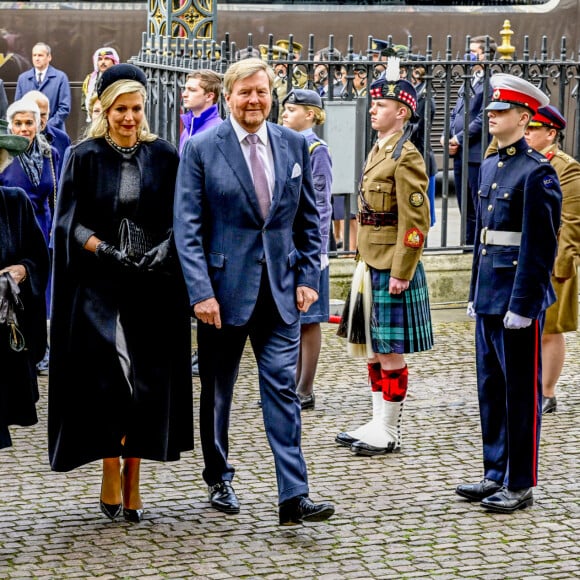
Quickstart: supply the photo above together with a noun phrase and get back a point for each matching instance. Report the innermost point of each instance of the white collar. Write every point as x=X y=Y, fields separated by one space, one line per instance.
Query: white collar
x=241 y=133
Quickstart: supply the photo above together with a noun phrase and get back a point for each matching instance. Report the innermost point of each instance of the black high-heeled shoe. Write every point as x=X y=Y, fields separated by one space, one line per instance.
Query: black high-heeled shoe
x=111 y=510
x=134 y=516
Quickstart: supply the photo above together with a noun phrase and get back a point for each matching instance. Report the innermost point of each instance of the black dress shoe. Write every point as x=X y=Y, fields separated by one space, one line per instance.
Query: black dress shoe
x=134 y=516
x=111 y=510
x=478 y=491
x=302 y=509
x=549 y=405
x=506 y=501
x=345 y=439
x=362 y=448
x=306 y=401
x=223 y=497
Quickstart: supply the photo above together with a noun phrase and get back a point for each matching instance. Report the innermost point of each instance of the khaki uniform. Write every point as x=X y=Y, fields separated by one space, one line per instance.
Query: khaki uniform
x=400 y=188
x=562 y=316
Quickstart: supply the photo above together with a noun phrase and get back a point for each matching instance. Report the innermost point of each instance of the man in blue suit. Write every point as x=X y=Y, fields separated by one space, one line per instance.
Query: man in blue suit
x=50 y=81
x=247 y=234
x=465 y=135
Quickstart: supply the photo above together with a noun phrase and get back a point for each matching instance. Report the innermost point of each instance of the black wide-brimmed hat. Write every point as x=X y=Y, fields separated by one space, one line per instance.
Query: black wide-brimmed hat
x=14 y=144
x=120 y=72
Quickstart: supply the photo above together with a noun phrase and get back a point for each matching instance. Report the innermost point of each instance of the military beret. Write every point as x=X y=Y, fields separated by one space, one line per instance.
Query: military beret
x=14 y=144
x=303 y=97
x=548 y=116
x=120 y=72
x=510 y=91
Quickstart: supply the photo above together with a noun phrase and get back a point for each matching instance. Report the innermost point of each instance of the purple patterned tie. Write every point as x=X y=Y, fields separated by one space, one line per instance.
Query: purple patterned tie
x=259 y=175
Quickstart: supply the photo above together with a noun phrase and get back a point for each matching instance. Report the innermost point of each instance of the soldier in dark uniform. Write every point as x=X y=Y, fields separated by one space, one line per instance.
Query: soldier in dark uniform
x=544 y=134
x=394 y=221
x=518 y=217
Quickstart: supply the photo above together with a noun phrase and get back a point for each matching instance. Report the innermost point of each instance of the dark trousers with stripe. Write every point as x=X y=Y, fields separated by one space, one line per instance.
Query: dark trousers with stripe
x=509 y=383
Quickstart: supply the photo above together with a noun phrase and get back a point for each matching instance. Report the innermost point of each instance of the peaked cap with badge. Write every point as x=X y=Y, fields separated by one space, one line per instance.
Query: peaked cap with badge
x=510 y=91
x=548 y=116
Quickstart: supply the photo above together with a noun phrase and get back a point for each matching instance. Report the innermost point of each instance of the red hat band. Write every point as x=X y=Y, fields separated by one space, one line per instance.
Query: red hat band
x=516 y=98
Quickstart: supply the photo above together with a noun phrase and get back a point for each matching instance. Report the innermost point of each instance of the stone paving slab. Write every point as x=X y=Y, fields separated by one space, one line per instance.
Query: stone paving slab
x=397 y=516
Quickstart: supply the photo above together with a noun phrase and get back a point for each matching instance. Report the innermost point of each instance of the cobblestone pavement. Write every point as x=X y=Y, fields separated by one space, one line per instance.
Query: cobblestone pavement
x=397 y=516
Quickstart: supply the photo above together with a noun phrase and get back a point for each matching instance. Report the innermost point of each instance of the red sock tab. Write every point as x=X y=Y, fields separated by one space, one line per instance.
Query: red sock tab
x=394 y=383
x=375 y=377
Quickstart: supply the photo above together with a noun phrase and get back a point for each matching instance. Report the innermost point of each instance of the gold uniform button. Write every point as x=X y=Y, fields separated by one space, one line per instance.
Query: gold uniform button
x=494 y=185
x=506 y=195
x=490 y=207
x=484 y=252
x=389 y=148
x=500 y=164
x=515 y=262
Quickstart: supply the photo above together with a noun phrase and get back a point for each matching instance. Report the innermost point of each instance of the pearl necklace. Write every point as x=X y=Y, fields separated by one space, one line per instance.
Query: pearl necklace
x=122 y=150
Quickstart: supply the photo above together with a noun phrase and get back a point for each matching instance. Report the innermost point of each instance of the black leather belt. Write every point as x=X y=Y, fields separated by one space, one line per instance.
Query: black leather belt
x=377 y=218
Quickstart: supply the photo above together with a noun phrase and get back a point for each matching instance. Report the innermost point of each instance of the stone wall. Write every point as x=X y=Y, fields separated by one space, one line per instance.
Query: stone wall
x=448 y=277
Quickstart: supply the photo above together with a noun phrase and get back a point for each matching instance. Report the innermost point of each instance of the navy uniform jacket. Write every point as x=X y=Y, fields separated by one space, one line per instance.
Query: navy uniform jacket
x=519 y=192
x=475 y=119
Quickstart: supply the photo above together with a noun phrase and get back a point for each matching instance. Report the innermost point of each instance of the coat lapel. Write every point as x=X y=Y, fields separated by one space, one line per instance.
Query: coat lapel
x=228 y=144
x=279 y=147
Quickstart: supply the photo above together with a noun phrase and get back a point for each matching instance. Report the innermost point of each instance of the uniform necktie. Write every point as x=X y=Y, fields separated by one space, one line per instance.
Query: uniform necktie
x=374 y=151
x=39 y=78
x=259 y=175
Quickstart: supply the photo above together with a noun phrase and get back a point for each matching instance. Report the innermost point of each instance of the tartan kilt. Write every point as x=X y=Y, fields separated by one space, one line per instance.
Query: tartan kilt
x=400 y=323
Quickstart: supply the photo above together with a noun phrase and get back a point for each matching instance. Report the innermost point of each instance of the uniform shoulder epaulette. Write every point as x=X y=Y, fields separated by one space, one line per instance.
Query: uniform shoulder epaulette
x=536 y=155
x=564 y=156
x=316 y=144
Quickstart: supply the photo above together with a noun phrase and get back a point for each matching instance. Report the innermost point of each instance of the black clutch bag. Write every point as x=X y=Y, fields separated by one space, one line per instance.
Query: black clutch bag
x=135 y=241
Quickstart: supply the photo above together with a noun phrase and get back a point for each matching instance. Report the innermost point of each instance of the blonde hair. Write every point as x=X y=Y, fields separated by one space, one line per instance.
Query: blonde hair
x=244 y=69
x=319 y=114
x=100 y=127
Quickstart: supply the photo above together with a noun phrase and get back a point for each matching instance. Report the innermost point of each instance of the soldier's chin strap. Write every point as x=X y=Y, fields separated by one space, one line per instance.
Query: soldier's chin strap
x=404 y=137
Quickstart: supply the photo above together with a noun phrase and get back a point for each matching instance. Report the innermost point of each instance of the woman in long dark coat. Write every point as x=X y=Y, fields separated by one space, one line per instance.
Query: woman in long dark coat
x=119 y=380
x=23 y=254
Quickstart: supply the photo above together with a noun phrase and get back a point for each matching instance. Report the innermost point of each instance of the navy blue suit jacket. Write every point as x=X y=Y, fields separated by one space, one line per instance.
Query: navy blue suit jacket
x=475 y=119
x=221 y=236
x=55 y=86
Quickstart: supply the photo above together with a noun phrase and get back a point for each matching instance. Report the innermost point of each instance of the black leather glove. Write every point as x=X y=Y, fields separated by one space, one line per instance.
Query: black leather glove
x=111 y=255
x=156 y=258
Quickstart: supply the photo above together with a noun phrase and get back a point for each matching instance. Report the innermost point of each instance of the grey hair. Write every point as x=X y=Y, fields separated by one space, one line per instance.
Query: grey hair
x=23 y=106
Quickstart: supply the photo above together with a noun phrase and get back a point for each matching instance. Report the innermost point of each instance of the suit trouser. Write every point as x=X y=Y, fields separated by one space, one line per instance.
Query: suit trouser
x=275 y=345
x=509 y=382
x=467 y=201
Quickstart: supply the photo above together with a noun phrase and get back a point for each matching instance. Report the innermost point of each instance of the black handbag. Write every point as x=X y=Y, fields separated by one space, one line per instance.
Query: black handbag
x=9 y=302
x=135 y=241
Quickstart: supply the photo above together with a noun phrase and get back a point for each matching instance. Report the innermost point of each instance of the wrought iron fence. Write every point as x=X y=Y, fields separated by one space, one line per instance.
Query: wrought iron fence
x=168 y=61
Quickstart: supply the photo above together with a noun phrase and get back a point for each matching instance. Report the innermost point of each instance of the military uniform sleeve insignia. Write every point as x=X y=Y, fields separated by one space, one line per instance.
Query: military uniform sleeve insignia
x=548 y=182
x=414 y=238
x=417 y=199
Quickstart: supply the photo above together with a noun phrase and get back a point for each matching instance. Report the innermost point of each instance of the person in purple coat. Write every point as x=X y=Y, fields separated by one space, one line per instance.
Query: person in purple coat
x=302 y=110
x=200 y=96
